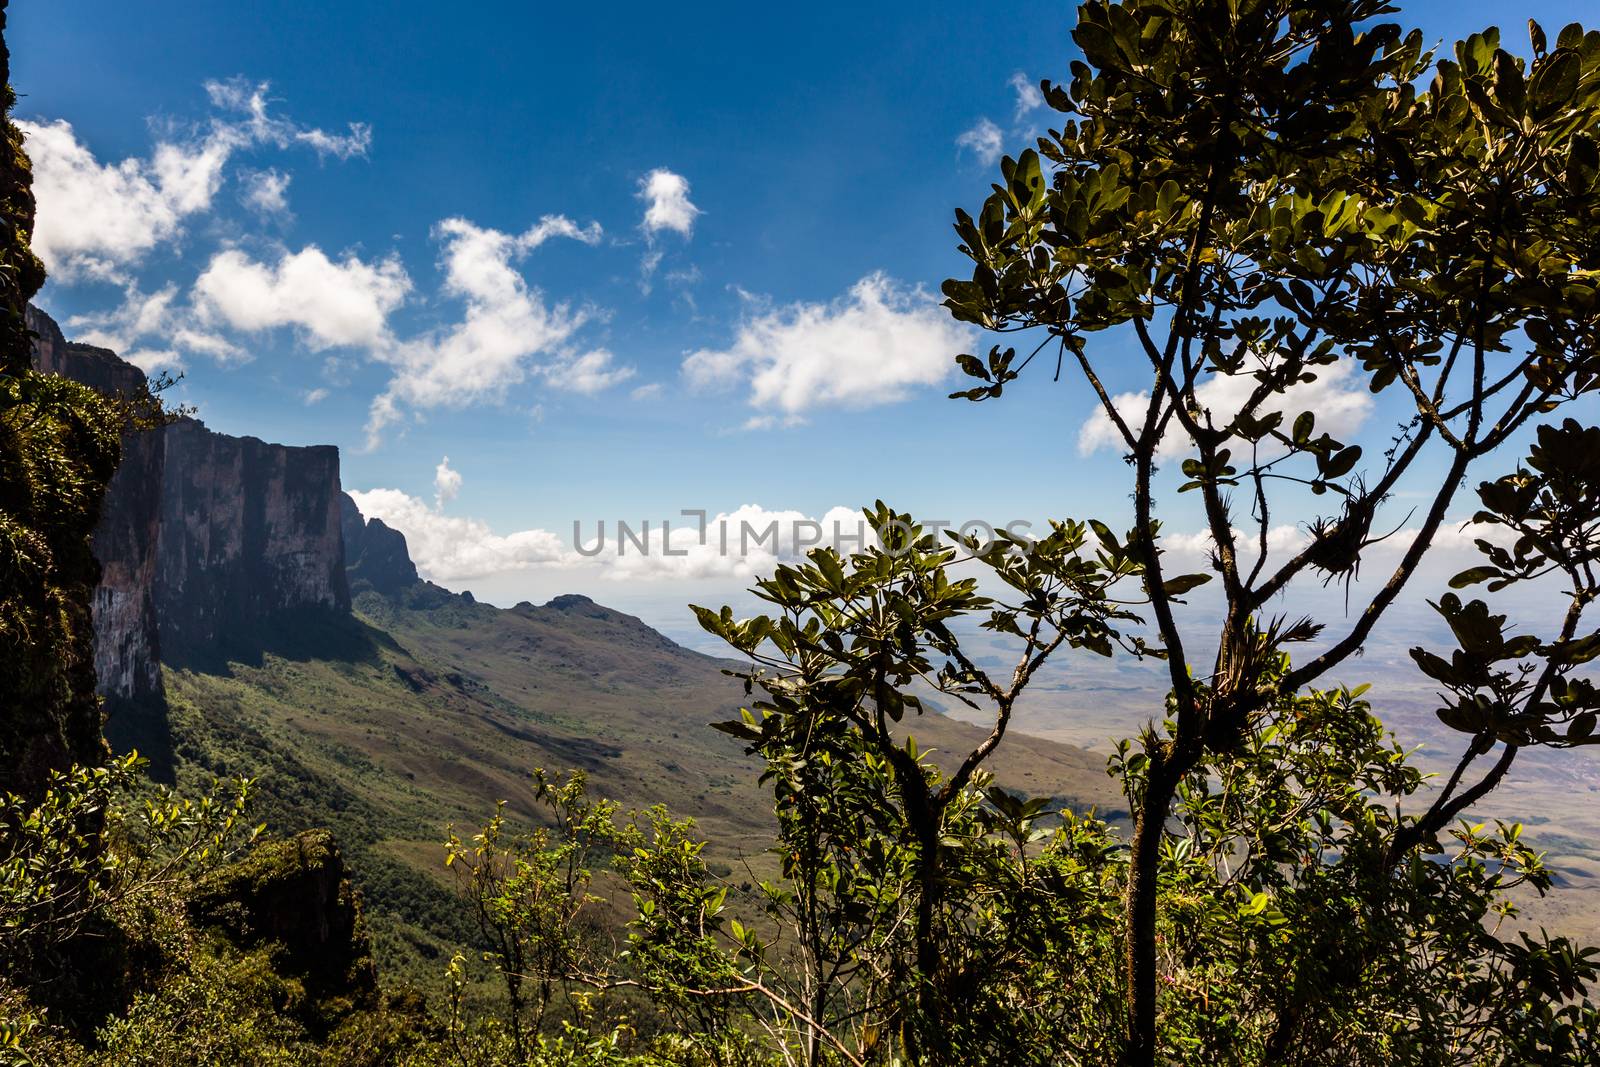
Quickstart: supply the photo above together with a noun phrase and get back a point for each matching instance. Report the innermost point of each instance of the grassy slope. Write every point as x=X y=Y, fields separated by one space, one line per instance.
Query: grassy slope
x=421 y=713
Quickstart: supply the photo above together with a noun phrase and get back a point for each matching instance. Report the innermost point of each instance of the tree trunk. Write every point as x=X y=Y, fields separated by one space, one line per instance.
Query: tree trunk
x=1144 y=872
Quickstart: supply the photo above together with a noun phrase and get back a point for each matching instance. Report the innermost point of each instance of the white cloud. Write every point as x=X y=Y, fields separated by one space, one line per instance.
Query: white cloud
x=507 y=324
x=315 y=396
x=666 y=196
x=1196 y=546
x=1337 y=397
x=648 y=391
x=446 y=483
x=143 y=315
x=557 y=226
x=446 y=548
x=152 y=360
x=1029 y=98
x=219 y=348
x=983 y=140
x=747 y=541
x=590 y=373
x=648 y=263
x=266 y=191
x=139 y=315
x=258 y=125
x=874 y=346
x=97 y=218
x=334 y=304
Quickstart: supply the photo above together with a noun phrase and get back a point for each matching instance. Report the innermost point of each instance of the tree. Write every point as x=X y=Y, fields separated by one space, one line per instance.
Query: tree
x=1258 y=191
x=867 y=826
x=530 y=896
x=1294 y=922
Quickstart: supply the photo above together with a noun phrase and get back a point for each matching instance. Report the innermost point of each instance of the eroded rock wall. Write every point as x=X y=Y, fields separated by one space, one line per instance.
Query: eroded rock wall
x=248 y=530
x=126 y=648
x=204 y=538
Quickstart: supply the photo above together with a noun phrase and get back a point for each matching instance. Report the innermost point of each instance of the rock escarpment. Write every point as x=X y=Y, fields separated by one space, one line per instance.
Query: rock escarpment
x=203 y=538
x=375 y=555
x=248 y=531
x=294 y=898
x=127 y=647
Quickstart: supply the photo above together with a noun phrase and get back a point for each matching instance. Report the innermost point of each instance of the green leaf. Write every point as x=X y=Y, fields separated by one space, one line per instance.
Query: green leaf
x=1474 y=575
x=1509 y=89
x=1435 y=667
x=972 y=366
x=711 y=621
x=1343 y=462
x=1183 y=583
x=1555 y=82
x=738 y=728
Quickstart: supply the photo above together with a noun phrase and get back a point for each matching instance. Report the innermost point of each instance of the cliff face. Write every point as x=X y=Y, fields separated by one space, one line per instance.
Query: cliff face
x=248 y=530
x=374 y=554
x=58 y=450
x=126 y=650
x=203 y=538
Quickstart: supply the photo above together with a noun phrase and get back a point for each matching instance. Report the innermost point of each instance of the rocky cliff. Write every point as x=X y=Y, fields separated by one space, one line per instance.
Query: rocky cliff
x=203 y=538
x=248 y=531
x=375 y=555
x=126 y=641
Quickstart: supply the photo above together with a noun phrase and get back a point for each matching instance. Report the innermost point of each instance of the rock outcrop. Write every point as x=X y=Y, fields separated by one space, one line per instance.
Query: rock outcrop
x=203 y=538
x=375 y=555
x=127 y=646
x=294 y=898
x=248 y=531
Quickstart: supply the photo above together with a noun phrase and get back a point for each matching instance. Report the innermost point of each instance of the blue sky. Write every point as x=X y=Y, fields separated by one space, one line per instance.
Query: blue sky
x=612 y=260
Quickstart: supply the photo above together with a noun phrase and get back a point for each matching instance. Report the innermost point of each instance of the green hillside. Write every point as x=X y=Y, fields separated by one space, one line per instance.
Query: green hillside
x=424 y=708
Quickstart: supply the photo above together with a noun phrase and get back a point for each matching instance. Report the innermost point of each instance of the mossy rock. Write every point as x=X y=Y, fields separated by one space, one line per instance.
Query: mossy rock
x=294 y=897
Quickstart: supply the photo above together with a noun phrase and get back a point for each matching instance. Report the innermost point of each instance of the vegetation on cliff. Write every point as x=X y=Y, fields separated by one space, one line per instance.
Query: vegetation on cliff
x=58 y=449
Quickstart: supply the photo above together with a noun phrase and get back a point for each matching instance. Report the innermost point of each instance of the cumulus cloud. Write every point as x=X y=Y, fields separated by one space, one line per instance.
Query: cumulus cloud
x=154 y=360
x=507 y=324
x=138 y=315
x=1193 y=547
x=257 y=124
x=746 y=541
x=97 y=218
x=873 y=346
x=983 y=140
x=1339 y=399
x=1029 y=98
x=667 y=204
x=334 y=304
x=750 y=540
x=446 y=483
x=1452 y=548
x=447 y=548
